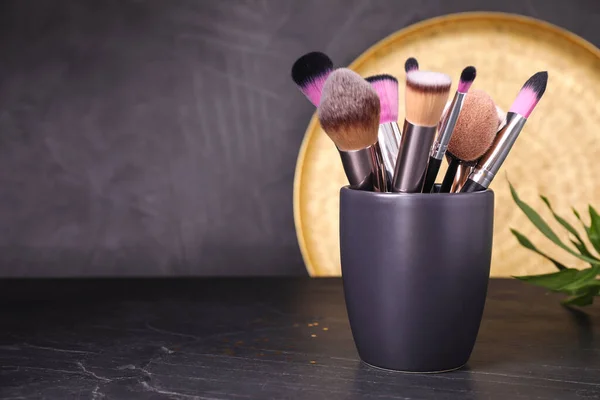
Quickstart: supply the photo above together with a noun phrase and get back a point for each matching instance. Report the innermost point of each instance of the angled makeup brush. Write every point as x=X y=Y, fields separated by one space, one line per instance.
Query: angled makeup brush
x=309 y=72
x=447 y=127
x=389 y=134
x=426 y=94
x=411 y=64
x=349 y=114
x=487 y=167
x=473 y=135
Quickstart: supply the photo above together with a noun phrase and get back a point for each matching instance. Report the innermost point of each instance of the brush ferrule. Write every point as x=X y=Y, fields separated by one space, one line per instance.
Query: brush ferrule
x=389 y=142
x=488 y=165
x=447 y=126
x=462 y=174
x=413 y=156
x=364 y=169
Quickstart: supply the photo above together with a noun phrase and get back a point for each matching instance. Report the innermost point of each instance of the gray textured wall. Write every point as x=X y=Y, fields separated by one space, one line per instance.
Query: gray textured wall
x=160 y=137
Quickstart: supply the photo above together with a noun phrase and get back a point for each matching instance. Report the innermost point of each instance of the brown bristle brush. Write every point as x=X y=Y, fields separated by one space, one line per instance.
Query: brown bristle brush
x=473 y=135
x=463 y=170
x=349 y=113
x=426 y=94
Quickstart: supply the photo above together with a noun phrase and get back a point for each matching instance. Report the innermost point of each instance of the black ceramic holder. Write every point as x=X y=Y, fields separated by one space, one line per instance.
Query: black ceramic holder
x=415 y=268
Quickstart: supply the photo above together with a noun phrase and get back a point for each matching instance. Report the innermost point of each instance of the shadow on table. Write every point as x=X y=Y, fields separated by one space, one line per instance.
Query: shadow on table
x=391 y=384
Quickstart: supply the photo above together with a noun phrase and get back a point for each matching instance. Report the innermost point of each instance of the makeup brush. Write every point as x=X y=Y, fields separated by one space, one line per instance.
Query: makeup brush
x=349 y=114
x=447 y=127
x=487 y=167
x=411 y=64
x=426 y=94
x=389 y=134
x=463 y=171
x=309 y=72
x=473 y=135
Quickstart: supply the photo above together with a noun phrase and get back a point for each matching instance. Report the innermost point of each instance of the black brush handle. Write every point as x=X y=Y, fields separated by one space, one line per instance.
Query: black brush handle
x=449 y=177
x=472 y=186
x=432 y=170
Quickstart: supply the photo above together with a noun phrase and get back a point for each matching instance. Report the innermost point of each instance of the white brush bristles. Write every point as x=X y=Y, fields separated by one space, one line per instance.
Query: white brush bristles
x=425 y=97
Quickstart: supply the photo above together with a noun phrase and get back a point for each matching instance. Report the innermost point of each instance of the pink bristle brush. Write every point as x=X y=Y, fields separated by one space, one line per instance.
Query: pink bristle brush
x=530 y=95
x=389 y=134
x=411 y=64
x=309 y=72
x=486 y=169
x=386 y=87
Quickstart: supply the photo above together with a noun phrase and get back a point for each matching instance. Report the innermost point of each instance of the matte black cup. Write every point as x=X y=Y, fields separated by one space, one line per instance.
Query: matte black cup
x=415 y=269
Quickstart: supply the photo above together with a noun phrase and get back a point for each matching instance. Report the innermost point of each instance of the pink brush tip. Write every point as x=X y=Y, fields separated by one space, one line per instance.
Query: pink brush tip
x=530 y=94
x=312 y=88
x=387 y=90
x=525 y=102
x=467 y=76
x=463 y=87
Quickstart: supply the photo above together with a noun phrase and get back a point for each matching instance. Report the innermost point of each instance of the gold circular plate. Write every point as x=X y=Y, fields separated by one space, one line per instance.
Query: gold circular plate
x=556 y=155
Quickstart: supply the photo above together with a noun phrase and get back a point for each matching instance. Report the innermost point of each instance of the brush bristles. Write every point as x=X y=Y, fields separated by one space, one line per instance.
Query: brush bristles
x=386 y=87
x=466 y=79
x=381 y=77
x=537 y=83
x=309 y=72
x=475 y=128
x=530 y=94
x=411 y=64
x=426 y=95
x=349 y=110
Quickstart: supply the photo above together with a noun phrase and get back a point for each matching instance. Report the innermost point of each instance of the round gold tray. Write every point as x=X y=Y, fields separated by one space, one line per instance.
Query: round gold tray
x=556 y=154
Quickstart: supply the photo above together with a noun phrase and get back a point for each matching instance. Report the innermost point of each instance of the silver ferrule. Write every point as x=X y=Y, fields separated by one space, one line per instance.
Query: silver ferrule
x=462 y=174
x=447 y=126
x=364 y=169
x=487 y=167
x=389 y=142
x=413 y=157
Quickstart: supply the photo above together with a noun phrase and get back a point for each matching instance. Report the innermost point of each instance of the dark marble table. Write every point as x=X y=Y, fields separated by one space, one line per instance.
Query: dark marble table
x=268 y=339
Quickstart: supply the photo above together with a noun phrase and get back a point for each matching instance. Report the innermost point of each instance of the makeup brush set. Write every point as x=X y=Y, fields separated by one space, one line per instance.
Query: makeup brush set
x=415 y=267
x=360 y=116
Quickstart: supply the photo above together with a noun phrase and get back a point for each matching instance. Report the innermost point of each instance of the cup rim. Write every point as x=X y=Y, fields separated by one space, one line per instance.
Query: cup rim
x=388 y=195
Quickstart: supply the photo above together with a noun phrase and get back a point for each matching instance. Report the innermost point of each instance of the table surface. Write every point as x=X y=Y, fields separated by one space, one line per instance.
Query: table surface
x=269 y=338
